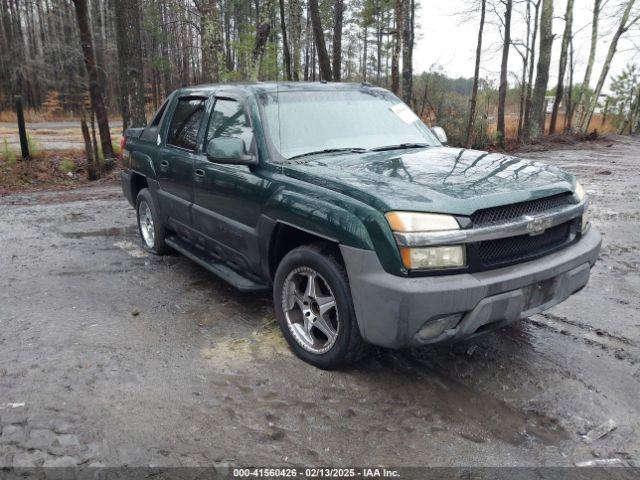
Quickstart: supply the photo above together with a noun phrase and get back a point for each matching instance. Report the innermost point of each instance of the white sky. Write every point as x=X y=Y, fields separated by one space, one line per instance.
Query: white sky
x=446 y=40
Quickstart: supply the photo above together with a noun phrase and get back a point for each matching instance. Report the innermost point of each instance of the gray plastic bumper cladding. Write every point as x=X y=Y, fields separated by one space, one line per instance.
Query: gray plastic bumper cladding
x=125 y=180
x=391 y=310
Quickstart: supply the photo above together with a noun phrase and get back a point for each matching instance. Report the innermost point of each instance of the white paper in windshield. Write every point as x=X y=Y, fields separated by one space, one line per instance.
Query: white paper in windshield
x=404 y=113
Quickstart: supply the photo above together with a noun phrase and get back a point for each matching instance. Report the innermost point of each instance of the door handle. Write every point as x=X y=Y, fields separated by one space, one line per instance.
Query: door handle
x=164 y=163
x=199 y=172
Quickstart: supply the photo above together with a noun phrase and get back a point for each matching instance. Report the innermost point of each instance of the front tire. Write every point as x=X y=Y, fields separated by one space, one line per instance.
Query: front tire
x=150 y=227
x=313 y=305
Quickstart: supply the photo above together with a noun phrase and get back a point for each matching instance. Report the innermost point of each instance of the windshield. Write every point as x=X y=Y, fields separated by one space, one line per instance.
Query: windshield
x=303 y=122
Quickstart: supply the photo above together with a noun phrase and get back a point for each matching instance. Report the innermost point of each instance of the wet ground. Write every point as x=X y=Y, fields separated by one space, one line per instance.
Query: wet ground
x=109 y=356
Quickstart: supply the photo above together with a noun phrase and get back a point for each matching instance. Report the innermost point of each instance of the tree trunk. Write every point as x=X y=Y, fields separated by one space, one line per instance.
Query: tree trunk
x=476 y=77
x=132 y=98
x=569 y=105
x=211 y=40
x=397 y=45
x=526 y=124
x=286 y=53
x=523 y=81
x=568 y=18
x=338 y=12
x=365 y=52
x=92 y=171
x=97 y=102
x=622 y=28
x=263 y=29
x=323 y=57
x=634 y=120
x=295 y=19
x=504 y=67
x=592 y=55
x=379 y=44
x=538 y=112
x=407 y=51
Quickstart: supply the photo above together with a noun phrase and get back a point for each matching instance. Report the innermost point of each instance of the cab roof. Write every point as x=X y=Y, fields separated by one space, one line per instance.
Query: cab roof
x=252 y=88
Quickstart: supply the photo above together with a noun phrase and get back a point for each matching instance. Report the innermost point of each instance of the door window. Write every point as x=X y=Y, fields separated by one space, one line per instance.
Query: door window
x=183 y=130
x=229 y=120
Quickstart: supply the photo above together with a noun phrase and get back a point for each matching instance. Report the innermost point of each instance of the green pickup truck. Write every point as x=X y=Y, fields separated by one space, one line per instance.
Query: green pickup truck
x=367 y=229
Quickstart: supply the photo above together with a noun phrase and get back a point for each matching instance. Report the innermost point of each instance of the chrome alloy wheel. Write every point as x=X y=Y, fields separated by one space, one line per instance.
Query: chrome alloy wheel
x=146 y=224
x=310 y=310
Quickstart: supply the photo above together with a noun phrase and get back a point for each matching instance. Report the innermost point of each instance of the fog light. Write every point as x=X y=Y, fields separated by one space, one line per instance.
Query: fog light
x=585 y=221
x=434 y=328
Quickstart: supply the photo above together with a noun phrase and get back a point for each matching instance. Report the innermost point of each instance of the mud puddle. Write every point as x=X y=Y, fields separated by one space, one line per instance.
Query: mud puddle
x=102 y=232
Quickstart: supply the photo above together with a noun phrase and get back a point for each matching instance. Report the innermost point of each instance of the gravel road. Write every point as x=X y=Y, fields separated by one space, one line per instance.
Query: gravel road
x=109 y=356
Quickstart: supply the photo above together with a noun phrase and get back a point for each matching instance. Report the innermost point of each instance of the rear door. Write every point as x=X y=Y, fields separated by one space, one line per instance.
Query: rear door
x=175 y=162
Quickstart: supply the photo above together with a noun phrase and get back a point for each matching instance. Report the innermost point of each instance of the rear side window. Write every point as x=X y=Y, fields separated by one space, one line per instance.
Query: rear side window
x=183 y=130
x=158 y=116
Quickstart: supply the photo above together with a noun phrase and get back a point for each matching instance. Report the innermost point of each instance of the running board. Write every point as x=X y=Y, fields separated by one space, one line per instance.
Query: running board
x=207 y=261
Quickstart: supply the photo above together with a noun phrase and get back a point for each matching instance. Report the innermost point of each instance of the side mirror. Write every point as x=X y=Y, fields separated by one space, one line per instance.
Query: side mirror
x=229 y=150
x=440 y=134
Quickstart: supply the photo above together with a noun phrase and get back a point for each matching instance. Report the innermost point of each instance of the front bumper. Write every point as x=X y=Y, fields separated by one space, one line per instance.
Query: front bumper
x=392 y=310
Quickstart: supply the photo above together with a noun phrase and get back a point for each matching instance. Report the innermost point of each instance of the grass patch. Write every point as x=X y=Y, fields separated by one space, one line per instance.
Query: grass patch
x=66 y=165
x=34 y=145
x=8 y=155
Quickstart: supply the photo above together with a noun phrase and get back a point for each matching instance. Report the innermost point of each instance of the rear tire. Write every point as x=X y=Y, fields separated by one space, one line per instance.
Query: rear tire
x=150 y=227
x=314 y=309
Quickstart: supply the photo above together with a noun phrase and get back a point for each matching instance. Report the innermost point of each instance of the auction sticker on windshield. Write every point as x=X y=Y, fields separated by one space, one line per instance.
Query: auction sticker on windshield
x=404 y=113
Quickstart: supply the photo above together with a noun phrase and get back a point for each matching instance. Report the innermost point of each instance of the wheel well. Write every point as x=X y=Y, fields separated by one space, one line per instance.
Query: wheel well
x=138 y=182
x=285 y=238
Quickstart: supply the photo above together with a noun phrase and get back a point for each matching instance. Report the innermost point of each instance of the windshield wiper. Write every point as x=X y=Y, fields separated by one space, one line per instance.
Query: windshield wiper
x=399 y=146
x=329 y=150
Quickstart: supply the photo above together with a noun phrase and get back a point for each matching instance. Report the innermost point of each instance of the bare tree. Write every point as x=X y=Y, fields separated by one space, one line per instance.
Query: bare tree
x=625 y=23
x=407 y=50
x=476 y=77
x=569 y=103
x=597 y=6
x=504 y=66
x=318 y=33
x=397 y=46
x=526 y=123
x=525 y=62
x=564 y=50
x=538 y=113
x=286 y=53
x=338 y=12
x=295 y=19
x=211 y=39
x=95 y=93
x=92 y=172
x=132 y=98
x=263 y=29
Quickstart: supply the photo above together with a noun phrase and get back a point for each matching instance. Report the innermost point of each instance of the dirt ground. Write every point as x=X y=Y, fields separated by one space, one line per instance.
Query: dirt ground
x=109 y=356
x=51 y=135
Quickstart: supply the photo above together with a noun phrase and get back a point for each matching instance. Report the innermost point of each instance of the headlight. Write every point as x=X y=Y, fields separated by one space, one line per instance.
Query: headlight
x=581 y=195
x=417 y=258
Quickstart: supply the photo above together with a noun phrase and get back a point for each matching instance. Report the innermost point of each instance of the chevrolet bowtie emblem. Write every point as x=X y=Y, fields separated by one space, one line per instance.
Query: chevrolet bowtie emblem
x=537 y=225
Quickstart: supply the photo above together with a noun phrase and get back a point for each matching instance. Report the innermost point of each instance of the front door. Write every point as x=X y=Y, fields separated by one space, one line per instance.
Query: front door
x=175 y=163
x=228 y=198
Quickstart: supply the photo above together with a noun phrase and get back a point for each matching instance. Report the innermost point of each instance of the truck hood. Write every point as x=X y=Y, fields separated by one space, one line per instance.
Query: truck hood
x=433 y=179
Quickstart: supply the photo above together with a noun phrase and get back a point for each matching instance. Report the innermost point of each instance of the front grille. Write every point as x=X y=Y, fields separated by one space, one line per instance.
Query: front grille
x=509 y=212
x=523 y=247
